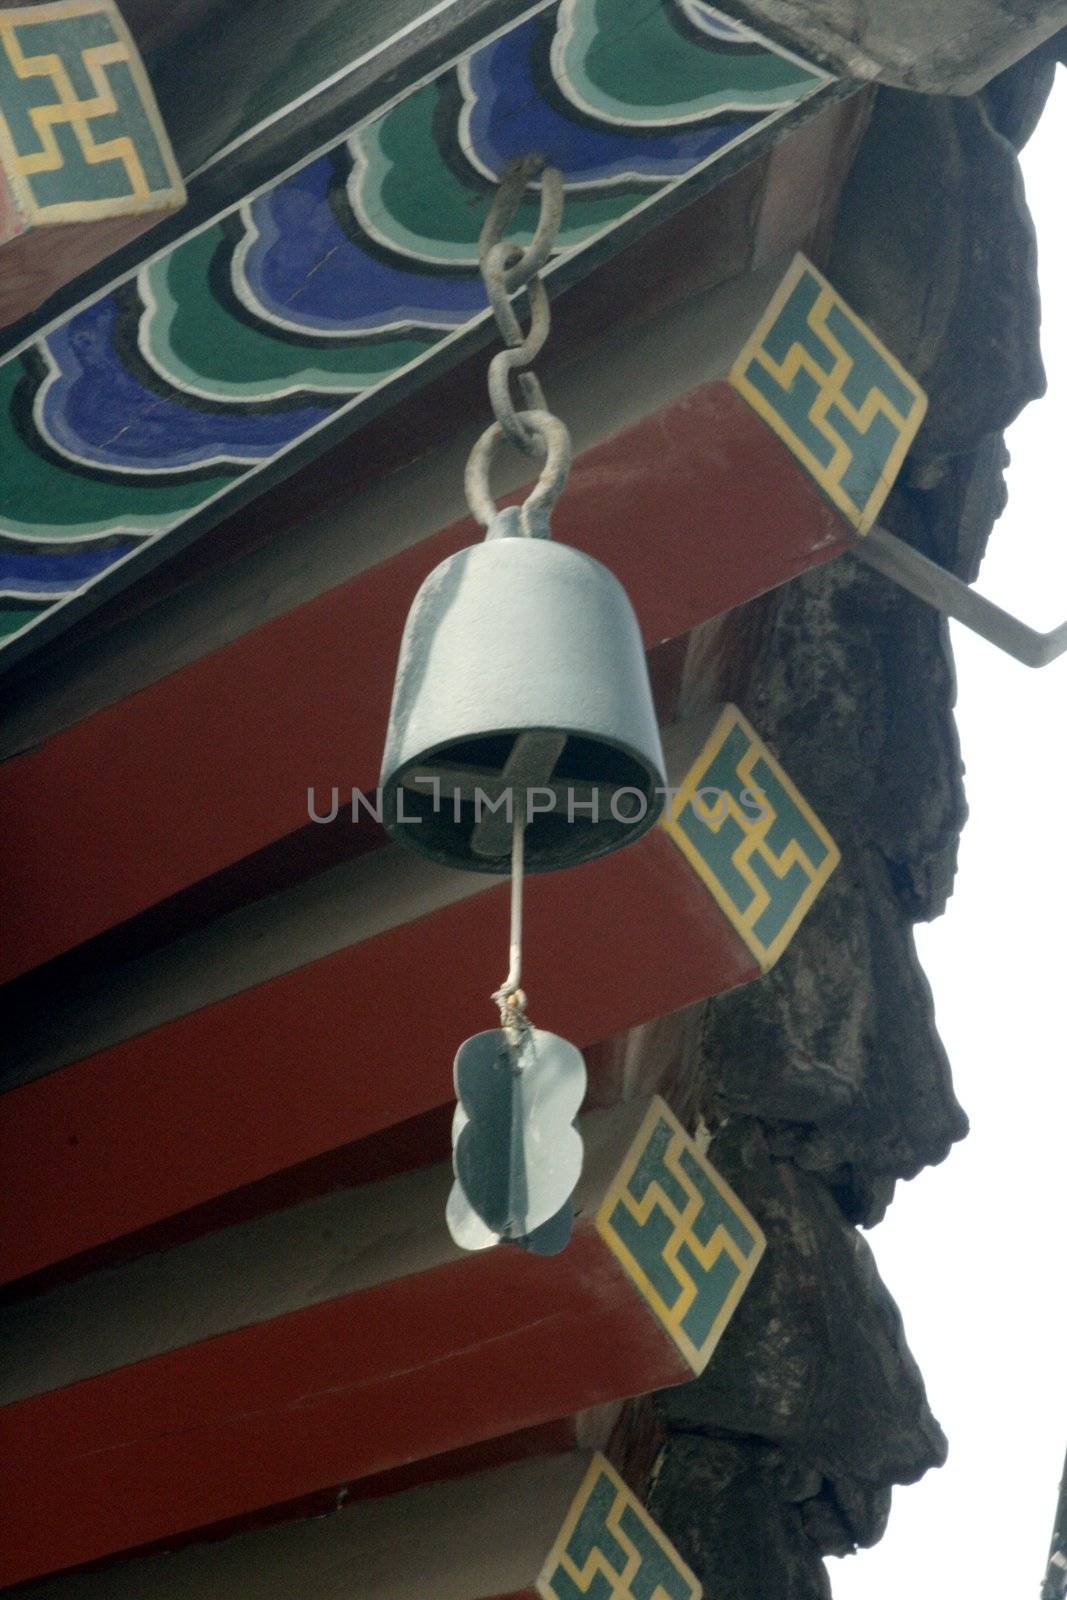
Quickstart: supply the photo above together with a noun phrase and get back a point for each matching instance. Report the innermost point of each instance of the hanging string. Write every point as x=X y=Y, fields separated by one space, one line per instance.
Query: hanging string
x=510 y=997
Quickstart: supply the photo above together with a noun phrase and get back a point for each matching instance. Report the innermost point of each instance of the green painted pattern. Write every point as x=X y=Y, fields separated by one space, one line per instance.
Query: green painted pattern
x=752 y=837
x=42 y=60
x=244 y=346
x=831 y=390
x=34 y=496
x=628 y=62
x=673 y=1241
x=774 y=861
x=198 y=344
x=406 y=194
x=12 y=619
x=614 y=1535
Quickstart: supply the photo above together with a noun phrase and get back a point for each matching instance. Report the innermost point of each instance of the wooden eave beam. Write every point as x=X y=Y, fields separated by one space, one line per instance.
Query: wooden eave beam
x=458 y=1540
x=417 y=1349
x=696 y=508
x=454 y=1541
x=271 y=1266
x=325 y=1017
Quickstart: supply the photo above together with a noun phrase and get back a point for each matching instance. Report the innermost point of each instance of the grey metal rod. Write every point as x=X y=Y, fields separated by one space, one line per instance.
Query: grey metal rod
x=1055 y=1584
x=949 y=594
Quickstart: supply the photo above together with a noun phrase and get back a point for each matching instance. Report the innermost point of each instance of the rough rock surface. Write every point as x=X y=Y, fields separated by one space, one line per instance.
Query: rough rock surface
x=814 y=1363
x=786 y=1448
x=836 y=1051
x=826 y=1083
x=935 y=247
x=723 y=1503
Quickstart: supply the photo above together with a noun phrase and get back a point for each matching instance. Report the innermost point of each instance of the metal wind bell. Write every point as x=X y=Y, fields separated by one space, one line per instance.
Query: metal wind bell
x=522 y=738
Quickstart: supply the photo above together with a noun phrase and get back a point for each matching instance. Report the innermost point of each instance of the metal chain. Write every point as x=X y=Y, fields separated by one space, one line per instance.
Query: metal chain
x=507 y=268
x=532 y=517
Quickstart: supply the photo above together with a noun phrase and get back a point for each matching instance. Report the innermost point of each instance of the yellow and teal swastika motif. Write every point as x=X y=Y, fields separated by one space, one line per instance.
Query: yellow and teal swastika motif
x=609 y=1548
x=748 y=832
x=80 y=133
x=681 y=1233
x=831 y=391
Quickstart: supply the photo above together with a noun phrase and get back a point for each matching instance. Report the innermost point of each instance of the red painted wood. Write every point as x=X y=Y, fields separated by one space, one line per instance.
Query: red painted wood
x=697 y=509
x=408 y=1369
x=557 y=1437
x=416 y=1142
x=342 y=1047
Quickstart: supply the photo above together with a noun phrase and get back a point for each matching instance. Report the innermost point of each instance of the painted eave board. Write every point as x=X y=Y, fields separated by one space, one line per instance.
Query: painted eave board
x=281 y=322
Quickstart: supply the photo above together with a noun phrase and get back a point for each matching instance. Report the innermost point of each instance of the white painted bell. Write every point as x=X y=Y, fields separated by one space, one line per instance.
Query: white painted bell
x=521 y=684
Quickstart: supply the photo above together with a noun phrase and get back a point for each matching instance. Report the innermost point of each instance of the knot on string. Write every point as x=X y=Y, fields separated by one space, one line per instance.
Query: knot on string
x=514 y=1022
x=510 y=997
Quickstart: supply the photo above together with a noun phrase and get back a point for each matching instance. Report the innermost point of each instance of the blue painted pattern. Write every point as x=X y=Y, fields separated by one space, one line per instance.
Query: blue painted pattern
x=94 y=408
x=294 y=230
x=584 y=152
x=33 y=573
x=244 y=338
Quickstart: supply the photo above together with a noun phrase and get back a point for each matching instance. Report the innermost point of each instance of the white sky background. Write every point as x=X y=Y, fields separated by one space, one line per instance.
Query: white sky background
x=974 y=1250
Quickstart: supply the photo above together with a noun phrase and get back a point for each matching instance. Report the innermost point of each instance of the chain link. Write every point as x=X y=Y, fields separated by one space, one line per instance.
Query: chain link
x=507 y=268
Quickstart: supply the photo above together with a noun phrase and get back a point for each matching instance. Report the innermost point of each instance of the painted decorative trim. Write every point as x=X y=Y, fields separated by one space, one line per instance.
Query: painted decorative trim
x=81 y=137
x=832 y=392
x=609 y=1548
x=748 y=832
x=681 y=1234
x=261 y=329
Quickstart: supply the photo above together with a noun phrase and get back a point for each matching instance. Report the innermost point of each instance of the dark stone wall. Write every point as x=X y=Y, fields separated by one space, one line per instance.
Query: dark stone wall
x=826 y=1083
